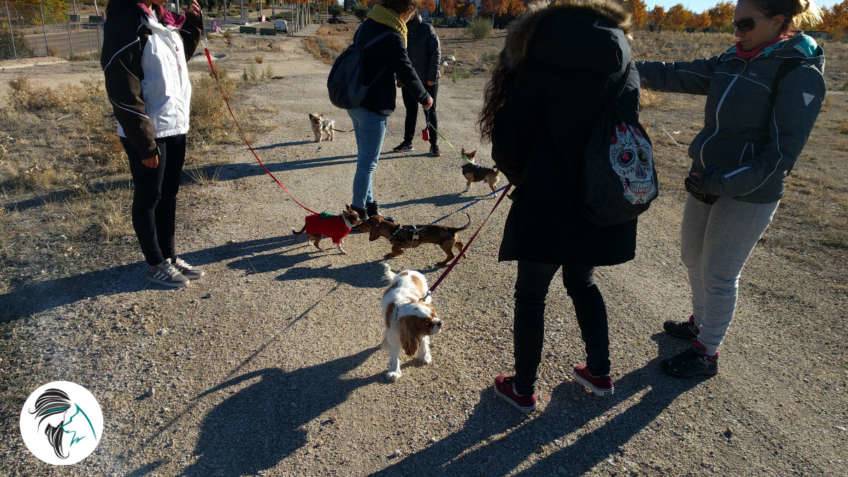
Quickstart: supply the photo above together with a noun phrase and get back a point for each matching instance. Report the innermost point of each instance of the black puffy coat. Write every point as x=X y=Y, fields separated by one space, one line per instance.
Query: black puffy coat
x=554 y=100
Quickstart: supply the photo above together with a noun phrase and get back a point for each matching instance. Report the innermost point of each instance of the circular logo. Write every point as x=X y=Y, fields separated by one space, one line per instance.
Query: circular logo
x=61 y=423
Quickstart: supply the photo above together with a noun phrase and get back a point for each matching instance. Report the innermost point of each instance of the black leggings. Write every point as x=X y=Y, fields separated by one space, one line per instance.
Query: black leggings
x=531 y=289
x=411 y=103
x=155 y=198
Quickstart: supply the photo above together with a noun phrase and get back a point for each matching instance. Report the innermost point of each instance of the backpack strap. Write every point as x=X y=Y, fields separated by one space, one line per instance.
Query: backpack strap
x=373 y=40
x=786 y=67
x=614 y=88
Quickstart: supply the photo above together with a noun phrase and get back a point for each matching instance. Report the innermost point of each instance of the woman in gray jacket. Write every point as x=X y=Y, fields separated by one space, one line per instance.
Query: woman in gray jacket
x=763 y=97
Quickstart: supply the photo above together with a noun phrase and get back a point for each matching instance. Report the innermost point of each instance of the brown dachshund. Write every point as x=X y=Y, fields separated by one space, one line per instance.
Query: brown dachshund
x=410 y=236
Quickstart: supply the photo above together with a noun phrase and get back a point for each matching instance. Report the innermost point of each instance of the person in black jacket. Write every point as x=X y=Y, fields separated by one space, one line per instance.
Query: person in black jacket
x=545 y=96
x=385 y=33
x=145 y=51
x=425 y=53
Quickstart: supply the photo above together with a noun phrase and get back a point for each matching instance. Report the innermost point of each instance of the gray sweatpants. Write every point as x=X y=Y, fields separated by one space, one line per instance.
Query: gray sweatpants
x=716 y=241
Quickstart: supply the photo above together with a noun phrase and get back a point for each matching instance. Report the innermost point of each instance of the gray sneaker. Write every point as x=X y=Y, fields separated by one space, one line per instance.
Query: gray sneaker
x=188 y=271
x=167 y=275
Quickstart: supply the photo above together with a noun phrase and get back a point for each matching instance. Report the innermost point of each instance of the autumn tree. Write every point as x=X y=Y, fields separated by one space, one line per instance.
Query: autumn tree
x=30 y=11
x=428 y=5
x=677 y=17
x=700 y=21
x=721 y=16
x=639 y=11
x=448 y=7
x=656 y=17
x=835 y=20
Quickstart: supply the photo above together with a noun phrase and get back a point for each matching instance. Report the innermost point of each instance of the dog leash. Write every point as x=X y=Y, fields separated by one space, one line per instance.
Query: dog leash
x=456 y=259
x=466 y=206
x=214 y=74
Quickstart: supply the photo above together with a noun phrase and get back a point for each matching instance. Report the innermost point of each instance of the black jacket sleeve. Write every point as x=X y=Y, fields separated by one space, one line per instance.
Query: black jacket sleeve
x=121 y=63
x=435 y=57
x=190 y=32
x=406 y=74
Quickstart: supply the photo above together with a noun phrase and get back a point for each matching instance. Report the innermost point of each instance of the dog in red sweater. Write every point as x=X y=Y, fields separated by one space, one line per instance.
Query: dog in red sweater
x=336 y=227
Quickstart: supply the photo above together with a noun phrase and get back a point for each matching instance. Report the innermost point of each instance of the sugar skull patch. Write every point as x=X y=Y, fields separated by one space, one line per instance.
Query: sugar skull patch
x=632 y=160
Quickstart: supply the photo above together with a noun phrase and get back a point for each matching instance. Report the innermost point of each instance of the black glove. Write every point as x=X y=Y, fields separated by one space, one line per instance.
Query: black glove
x=694 y=184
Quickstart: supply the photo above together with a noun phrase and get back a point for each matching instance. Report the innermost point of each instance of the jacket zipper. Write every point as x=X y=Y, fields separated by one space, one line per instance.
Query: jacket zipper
x=718 y=111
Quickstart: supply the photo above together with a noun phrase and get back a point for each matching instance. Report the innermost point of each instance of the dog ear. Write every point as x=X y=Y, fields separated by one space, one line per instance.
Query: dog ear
x=471 y=154
x=408 y=334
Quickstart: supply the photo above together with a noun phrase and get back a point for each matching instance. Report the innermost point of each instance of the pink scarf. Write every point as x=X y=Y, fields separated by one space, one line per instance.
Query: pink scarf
x=747 y=55
x=163 y=15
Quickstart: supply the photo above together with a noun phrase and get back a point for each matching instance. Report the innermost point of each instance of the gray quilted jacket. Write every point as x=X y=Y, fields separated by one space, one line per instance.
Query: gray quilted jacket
x=748 y=145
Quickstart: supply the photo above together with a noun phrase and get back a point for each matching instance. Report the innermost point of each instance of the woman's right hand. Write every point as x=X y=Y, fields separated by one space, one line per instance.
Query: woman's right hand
x=151 y=162
x=428 y=103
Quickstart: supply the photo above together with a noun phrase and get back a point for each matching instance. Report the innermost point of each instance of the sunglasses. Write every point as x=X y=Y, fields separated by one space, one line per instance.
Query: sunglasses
x=745 y=25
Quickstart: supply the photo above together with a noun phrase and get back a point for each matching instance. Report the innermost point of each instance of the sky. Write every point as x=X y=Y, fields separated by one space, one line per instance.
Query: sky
x=701 y=5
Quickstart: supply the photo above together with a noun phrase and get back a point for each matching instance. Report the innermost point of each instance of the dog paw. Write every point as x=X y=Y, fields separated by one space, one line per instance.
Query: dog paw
x=393 y=376
x=425 y=360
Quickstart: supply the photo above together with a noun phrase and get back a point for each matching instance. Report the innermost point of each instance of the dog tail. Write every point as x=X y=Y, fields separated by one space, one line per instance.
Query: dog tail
x=295 y=232
x=388 y=274
x=467 y=224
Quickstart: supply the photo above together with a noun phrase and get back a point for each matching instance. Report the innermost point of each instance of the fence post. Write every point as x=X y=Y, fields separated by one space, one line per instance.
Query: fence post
x=44 y=30
x=11 y=31
x=70 y=41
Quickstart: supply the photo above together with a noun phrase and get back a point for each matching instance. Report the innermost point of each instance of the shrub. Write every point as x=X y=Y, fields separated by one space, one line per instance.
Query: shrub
x=480 y=28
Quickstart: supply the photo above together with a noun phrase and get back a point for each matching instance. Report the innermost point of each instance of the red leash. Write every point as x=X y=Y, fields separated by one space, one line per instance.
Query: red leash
x=468 y=244
x=244 y=138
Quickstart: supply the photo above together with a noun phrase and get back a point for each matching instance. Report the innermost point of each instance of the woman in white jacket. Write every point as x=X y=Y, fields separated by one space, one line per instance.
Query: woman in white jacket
x=145 y=50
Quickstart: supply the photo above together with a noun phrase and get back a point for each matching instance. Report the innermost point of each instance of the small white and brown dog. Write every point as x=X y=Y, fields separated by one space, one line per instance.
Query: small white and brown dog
x=324 y=129
x=409 y=317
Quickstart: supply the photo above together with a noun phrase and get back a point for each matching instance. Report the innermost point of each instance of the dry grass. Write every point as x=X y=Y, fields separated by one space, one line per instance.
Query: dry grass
x=843 y=127
x=57 y=146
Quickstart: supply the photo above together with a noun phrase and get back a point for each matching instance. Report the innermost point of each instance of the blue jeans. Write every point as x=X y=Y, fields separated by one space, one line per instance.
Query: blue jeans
x=370 y=130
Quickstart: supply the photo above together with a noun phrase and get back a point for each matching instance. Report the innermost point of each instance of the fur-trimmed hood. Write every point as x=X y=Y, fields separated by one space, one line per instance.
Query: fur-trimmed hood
x=607 y=15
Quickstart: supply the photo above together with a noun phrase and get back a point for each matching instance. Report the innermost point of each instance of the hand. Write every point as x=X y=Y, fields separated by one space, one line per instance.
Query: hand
x=399 y=84
x=431 y=83
x=193 y=10
x=153 y=161
x=428 y=103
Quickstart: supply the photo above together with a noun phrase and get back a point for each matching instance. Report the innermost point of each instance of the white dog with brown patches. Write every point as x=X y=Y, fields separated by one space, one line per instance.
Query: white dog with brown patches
x=410 y=319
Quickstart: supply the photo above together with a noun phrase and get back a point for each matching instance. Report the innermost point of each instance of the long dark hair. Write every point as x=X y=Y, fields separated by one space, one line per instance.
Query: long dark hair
x=495 y=95
x=509 y=61
x=50 y=403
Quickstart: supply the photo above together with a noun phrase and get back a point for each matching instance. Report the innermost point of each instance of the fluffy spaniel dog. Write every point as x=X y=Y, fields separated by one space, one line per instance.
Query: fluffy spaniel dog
x=410 y=319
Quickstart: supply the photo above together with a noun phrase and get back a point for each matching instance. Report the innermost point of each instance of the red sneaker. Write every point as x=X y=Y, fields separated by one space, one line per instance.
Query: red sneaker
x=505 y=389
x=599 y=385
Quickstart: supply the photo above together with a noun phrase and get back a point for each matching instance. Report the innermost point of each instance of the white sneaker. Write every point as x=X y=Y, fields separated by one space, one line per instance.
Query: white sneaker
x=167 y=275
x=188 y=271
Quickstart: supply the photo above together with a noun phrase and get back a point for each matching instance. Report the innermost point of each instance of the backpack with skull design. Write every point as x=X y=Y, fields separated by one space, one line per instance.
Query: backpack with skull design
x=619 y=180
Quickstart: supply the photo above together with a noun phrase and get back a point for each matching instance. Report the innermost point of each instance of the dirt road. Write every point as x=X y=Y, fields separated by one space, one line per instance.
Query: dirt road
x=269 y=366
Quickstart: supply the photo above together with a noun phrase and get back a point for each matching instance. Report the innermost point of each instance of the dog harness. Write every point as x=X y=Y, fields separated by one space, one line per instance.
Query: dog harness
x=410 y=231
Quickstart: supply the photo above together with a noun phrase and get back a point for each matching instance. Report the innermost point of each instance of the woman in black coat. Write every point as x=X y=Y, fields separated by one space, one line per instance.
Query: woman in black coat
x=542 y=103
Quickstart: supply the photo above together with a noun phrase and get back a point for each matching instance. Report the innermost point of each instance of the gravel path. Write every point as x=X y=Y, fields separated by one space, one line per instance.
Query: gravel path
x=270 y=367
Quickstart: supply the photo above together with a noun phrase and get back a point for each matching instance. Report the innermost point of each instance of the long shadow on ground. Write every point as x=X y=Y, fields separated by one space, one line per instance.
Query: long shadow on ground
x=33 y=298
x=218 y=172
x=569 y=410
x=260 y=425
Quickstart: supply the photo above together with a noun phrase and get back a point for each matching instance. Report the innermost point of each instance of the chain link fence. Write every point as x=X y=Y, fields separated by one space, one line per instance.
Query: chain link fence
x=32 y=28
x=74 y=31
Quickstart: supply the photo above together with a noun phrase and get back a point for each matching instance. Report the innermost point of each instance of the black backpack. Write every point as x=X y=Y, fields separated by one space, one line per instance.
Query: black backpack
x=345 y=85
x=619 y=180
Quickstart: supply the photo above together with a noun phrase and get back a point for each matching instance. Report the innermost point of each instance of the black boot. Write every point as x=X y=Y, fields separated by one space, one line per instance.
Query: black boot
x=371 y=209
x=363 y=214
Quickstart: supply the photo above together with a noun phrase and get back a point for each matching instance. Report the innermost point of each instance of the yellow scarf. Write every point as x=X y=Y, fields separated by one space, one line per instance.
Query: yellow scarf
x=388 y=17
